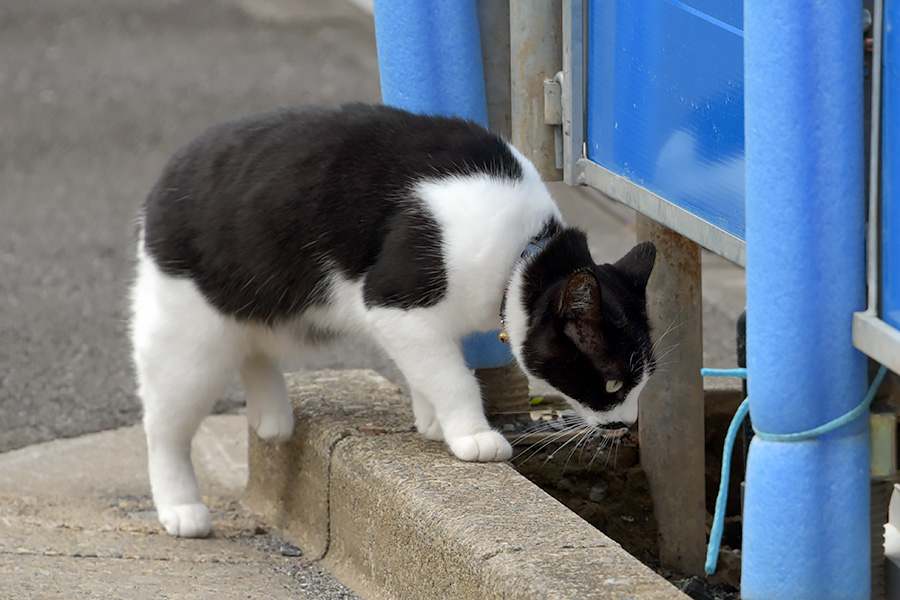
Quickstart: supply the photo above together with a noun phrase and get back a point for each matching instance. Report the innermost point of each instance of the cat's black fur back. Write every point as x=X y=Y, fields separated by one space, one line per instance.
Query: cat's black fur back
x=258 y=211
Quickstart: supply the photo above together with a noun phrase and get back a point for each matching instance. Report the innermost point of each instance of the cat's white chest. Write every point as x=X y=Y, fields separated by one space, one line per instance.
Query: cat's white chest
x=485 y=224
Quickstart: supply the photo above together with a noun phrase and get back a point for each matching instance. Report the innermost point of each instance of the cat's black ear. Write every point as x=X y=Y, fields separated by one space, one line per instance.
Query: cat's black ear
x=580 y=298
x=579 y=304
x=638 y=263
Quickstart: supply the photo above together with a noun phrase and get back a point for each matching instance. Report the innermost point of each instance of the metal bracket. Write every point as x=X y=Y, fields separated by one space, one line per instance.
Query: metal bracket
x=553 y=114
x=884 y=444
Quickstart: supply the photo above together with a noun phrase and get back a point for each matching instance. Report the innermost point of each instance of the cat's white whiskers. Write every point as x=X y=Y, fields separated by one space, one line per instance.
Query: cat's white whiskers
x=616 y=457
x=312 y=242
x=668 y=351
x=571 y=452
x=597 y=452
x=546 y=425
x=668 y=363
x=672 y=327
x=540 y=445
x=539 y=427
x=604 y=447
x=587 y=440
x=582 y=439
x=551 y=439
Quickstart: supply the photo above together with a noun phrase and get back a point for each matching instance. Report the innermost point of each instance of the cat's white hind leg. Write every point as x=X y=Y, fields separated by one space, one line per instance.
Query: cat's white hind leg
x=184 y=357
x=269 y=411
x=176 y=399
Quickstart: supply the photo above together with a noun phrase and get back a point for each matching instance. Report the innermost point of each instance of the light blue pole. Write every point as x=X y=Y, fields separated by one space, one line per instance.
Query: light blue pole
x=806 y=512
x=429 y=58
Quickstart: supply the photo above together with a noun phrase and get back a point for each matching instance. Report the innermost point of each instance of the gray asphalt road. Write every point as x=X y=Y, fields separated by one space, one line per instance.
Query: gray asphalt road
x=94 y=97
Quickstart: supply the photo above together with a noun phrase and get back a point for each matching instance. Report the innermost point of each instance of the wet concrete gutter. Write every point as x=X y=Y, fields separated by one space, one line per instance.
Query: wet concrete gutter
x=396 y=516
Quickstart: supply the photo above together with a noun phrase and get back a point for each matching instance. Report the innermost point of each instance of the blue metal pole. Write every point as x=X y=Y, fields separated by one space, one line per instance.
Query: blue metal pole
x=429 y=58
x=806 y=512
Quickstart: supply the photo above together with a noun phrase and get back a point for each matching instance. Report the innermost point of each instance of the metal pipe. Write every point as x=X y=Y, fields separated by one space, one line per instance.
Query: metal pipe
x=574 y=21
x=671 y=406
x=535 y=44
x=873 y=235
x=493 y=22
x=806 y=518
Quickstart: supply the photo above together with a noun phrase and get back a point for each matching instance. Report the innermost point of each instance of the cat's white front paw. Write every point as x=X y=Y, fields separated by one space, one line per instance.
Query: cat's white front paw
x=486 y=446
x=430 y=430
x=186 y=520
x=275 y=426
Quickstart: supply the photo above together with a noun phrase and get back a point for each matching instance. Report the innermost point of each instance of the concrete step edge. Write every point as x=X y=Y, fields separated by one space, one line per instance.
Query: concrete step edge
x=397 y=516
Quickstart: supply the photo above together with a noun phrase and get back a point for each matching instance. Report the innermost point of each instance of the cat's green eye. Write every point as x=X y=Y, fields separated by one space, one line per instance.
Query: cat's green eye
x=613 y=386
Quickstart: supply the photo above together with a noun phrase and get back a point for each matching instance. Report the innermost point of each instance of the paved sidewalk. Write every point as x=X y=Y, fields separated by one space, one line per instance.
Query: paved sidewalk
x=394 y=514
x=76 y=521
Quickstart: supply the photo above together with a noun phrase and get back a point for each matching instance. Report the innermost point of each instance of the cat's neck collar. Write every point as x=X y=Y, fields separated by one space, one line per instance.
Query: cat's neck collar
x=535 y=246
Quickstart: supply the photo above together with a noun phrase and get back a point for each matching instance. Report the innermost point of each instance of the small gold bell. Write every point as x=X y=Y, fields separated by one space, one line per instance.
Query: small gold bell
x=503 y=337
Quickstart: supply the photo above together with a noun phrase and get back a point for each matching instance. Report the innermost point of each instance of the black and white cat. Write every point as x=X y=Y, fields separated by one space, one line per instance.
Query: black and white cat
x=266 y=235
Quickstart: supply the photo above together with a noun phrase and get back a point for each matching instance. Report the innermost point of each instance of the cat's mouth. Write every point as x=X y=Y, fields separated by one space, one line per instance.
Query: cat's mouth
x=613 y=425
x=614 y=430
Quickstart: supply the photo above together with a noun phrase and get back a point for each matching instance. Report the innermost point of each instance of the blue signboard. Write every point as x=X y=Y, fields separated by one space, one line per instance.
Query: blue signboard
x=890 y=169
x=664 y=101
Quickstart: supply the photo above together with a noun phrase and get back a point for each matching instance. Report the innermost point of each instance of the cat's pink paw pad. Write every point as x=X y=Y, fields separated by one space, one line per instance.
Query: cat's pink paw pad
x=186 y=520
x=486 y=446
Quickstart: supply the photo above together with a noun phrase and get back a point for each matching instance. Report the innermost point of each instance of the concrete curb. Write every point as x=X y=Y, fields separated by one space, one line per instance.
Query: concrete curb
x=396 y=516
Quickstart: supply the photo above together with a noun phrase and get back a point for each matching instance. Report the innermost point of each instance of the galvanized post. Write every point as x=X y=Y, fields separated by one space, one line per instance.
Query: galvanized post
x=493 y=24
x=671 y=406
x=535 y=40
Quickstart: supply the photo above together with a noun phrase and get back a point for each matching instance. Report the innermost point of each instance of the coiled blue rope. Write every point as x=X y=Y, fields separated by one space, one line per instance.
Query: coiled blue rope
x=715 y=534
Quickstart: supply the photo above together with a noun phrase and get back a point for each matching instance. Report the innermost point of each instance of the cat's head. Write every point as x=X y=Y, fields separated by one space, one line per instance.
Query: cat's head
x=588 y=336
